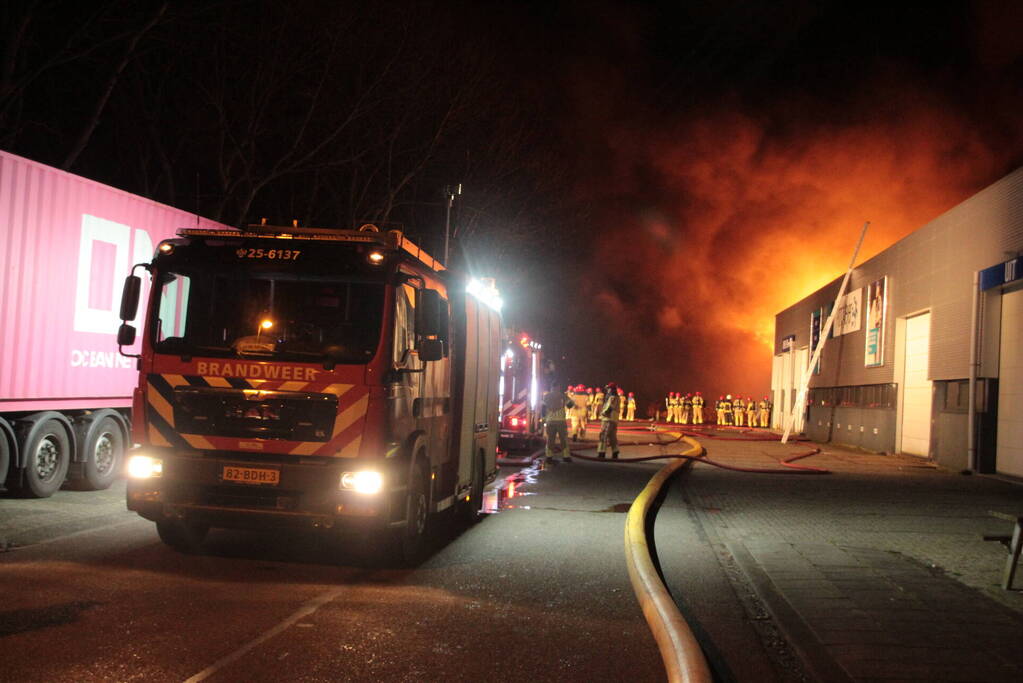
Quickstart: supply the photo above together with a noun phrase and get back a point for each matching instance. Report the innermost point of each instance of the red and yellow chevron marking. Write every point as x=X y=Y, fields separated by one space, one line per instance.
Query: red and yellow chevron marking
x=345 y=440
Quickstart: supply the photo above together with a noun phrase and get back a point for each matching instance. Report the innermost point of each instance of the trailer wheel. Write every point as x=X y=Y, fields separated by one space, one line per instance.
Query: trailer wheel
x=5 y=454
x=47 y=451
x=104 y=453
x=185 y=537
x=471 y=509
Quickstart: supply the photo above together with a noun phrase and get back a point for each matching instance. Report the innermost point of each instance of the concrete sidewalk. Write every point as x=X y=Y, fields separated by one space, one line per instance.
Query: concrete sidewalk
x=877 y=571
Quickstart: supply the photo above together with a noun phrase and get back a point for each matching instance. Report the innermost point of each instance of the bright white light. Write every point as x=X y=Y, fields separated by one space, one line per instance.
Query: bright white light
x=144 y=467
x=366 y=481
x=487 y=295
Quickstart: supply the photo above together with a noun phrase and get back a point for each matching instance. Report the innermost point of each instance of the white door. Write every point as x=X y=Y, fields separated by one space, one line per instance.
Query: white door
x=916 y=388
x=802 y=361
x=1009 y=453
x=784 y=405
x=777 y=381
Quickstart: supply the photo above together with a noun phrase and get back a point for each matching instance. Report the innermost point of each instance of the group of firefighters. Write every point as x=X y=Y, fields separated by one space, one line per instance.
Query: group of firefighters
x=743 y=413
x=684 y=410
x=567 y=412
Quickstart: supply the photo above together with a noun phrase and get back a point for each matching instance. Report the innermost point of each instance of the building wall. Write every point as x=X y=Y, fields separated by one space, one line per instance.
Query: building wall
x=929 y=270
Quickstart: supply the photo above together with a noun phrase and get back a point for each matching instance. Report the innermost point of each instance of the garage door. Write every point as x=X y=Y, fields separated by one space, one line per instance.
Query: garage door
x=1009 y=458
x=916 y=388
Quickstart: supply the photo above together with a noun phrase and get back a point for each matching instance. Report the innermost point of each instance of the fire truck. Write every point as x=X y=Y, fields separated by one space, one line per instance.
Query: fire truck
x=520 y=389
x=298 y=377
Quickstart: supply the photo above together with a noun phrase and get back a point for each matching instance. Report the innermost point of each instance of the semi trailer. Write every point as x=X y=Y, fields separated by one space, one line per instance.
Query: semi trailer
x=65 y=392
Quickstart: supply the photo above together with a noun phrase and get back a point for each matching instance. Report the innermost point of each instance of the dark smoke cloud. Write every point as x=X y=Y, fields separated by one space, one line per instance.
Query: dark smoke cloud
x=704 y=225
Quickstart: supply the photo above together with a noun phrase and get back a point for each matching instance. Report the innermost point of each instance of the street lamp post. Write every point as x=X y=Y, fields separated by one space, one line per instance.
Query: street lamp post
x=451 y=193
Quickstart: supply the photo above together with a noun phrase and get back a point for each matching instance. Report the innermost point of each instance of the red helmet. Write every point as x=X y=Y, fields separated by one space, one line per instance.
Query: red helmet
x=611 y=386
x=766 y=399
x=589 y=390
x=721 y=398
x=620 y=392
x=697 y=393
x=631 y=395
x=688 y=395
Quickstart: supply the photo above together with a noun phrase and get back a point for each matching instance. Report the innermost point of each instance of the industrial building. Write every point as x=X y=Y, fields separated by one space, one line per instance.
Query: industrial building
x=927 y=328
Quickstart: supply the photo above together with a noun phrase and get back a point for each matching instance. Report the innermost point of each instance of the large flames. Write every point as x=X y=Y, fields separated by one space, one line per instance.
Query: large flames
x=718 y=223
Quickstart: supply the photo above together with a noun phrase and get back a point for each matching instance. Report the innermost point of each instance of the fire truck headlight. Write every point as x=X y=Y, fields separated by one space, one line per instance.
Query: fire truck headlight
x=144 y=467
x=366 y=481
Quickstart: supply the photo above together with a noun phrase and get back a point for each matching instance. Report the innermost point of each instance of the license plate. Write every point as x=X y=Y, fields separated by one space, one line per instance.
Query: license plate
x=252 y=475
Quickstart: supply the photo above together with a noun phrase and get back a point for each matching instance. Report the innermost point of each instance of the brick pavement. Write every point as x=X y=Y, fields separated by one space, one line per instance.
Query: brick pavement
x=877 y=571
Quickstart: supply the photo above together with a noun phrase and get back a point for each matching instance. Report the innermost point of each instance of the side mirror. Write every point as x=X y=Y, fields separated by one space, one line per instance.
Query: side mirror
x=130 y=299
x=125 y=335
x=428 y=313
x=430 y=349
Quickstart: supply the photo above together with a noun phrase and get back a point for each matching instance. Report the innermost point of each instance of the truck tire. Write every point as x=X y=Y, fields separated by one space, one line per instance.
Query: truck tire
x=411 y=538
x=471 y=509
x=103 y=448
x=47 y=449
x=185 y=537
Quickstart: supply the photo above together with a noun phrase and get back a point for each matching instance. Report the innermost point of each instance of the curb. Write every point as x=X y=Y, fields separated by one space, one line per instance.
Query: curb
x=683 y=658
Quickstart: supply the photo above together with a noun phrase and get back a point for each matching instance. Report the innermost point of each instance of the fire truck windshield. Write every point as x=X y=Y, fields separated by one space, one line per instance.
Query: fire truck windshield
x=266 y=314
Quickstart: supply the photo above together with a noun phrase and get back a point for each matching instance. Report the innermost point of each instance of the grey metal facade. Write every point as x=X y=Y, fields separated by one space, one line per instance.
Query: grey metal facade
x=930 y=270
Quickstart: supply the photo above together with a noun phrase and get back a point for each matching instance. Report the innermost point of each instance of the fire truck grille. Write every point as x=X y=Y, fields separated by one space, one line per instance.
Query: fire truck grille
x=251 y=413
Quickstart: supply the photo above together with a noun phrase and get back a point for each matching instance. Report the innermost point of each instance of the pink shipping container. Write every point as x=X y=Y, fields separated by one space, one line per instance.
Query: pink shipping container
x=66 y=244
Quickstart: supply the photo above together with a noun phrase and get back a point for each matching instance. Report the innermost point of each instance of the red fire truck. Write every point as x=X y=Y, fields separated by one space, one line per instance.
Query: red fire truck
x=520 y=391
x=313 y=378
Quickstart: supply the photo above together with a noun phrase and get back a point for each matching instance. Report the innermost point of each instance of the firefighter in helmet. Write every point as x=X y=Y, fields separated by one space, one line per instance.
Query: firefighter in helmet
x=554 y=405
x=581 y=399
x=687 y=409
x=738 y=411
x=725 y=410
x=765 y=412
x=669 y=407
x=751 y=412
x=621 y=404
x=697 y=409
x=598 y=402
x=630 y=410
x=609 y=422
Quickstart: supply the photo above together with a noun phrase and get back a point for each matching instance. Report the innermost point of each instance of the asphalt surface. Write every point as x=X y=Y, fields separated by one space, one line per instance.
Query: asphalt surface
x=536 y=591
x=874 y=571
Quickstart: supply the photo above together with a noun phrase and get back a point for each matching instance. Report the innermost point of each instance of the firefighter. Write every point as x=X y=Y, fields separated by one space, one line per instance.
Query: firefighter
x=554 y=404
x=751 y=412
x=621 y=404
x=765 y=412
x=609 y=423
x=598 y=403
x=630 y=411
x=578 y=413
x=687 y=409
x=738 y=411
x=725 y=411
x=697 y=409
x=589 y=400
x=668 y=414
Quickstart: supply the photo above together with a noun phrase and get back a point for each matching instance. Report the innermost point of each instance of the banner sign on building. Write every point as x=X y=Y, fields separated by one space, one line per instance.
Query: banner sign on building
x=877 y=309
x=848 y=318
x=787 y=342
x=816 y=321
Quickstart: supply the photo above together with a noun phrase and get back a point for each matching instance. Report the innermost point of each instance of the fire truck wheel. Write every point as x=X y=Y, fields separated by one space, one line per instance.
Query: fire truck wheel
x=104 y=453
x=47 y=450
x=417 y=510
x=185 y=537
x=471 y=508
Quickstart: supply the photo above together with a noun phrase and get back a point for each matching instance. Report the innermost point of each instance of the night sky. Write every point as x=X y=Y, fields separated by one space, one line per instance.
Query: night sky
x=648 y=183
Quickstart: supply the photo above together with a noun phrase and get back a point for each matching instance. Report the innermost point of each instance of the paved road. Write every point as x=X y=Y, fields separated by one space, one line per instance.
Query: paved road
x=538 y=591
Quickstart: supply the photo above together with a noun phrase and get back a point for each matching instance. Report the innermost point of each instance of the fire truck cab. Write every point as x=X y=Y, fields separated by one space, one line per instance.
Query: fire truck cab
x=295 y=377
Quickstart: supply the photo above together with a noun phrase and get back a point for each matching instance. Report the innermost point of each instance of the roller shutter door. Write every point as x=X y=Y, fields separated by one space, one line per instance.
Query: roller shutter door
x=916 y=388
x=1009 y=458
